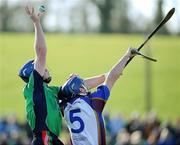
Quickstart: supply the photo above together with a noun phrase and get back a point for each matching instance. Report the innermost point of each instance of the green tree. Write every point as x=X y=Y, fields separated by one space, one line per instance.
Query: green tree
x=4 y=16
x=159 y=16
x=114 y=16
x=105 y=7
x=13 y=17
x=121 y=17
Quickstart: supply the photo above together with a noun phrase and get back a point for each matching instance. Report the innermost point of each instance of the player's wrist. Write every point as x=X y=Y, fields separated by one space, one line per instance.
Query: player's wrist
x=36 y=22
x=128 y=54
x=131 y=52
x=37 y=25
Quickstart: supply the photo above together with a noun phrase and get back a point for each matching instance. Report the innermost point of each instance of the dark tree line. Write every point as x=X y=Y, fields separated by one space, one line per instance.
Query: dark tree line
x=159 y=17
x=113 y=15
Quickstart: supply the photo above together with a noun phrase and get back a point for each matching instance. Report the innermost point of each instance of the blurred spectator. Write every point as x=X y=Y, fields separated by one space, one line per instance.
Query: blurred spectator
x=134 y=124
x=107 y=126
x=123 y=138
x=177 y=132
x=149 y=131
x=166 y=138
x=12 y=124
x=2 y=125
x=151 y=128
x=12 y=132
x=136 y=138
x=116 y=124
x=3 y=139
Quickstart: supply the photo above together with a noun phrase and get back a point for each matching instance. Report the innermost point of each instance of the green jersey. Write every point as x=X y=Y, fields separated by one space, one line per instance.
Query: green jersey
x=42 y=107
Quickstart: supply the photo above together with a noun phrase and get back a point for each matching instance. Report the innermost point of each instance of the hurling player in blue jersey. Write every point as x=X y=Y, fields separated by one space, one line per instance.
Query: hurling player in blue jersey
x=83 y=110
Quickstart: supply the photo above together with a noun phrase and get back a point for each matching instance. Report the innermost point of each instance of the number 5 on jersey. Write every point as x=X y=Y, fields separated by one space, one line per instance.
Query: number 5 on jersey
x=73 y=115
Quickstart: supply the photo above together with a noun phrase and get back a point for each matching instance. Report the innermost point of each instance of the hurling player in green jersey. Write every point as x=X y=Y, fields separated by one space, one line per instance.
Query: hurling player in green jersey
x=41 y=100
x=42 y=107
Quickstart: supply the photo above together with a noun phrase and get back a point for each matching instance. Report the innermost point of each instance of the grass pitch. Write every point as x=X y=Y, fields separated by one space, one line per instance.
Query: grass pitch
x=90 y=55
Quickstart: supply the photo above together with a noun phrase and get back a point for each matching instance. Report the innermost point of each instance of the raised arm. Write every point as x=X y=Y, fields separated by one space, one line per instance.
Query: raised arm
x=40 y=44
x=117 y=69
x=95 y=81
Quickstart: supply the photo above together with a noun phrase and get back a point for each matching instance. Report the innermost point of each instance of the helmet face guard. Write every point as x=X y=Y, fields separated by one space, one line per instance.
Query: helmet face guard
x=72 y=87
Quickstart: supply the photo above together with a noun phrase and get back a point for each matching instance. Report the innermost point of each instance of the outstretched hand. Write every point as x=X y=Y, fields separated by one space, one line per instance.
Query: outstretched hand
x=35 y=17
x=132 y=52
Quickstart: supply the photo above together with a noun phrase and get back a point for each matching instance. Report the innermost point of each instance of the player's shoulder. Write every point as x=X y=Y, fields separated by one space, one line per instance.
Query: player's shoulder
x=30 y=85
x=102 y=92
x=34 y=76
x=104 y=88
x=51 y=89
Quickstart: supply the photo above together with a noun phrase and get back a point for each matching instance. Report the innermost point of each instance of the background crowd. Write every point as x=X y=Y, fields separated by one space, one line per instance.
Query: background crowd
x=149 y=130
